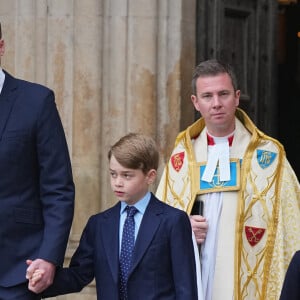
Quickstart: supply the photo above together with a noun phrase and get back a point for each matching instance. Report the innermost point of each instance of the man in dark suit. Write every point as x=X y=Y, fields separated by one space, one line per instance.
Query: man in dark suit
x=36 y=185
x=162 y=264
x=291 y=284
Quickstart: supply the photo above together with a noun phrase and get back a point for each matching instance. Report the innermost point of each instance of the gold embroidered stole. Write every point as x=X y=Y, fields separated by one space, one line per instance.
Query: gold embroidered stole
x=257 y=203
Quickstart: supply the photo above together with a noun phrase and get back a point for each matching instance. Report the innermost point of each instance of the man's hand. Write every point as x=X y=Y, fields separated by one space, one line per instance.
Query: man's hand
x=199 y=227
x=37 y=284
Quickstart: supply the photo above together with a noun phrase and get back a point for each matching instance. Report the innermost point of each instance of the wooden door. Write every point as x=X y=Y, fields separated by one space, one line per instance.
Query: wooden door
x=242 y=32
x=288 y=88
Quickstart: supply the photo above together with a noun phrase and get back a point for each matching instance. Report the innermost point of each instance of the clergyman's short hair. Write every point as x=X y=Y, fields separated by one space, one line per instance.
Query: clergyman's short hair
x=0 y=32
x=136 y=151
x=213 y=67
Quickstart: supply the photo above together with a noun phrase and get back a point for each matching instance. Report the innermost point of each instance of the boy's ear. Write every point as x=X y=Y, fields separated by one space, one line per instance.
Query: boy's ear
x=151 y=176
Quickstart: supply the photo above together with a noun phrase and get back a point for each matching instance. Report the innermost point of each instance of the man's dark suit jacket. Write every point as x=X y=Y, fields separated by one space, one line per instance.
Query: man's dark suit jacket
x=36 y=184
x=291 y=285
x=163 y=260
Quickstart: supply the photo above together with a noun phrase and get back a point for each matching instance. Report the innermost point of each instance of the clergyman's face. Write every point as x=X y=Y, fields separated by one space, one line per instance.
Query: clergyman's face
x=216 y=100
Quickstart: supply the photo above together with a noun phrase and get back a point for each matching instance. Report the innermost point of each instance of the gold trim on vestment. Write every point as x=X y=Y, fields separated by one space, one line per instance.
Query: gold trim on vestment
x=268 y=198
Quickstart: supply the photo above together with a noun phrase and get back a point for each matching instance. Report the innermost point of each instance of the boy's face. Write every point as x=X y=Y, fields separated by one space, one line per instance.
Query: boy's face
x=129 y=185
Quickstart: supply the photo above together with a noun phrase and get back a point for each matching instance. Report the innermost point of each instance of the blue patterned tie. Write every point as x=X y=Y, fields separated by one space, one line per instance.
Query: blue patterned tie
x=126 y=250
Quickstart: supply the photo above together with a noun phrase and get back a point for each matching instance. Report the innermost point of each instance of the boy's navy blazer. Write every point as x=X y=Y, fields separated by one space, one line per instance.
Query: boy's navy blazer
x=163 y=258
x=291 y=285
x=36 y=184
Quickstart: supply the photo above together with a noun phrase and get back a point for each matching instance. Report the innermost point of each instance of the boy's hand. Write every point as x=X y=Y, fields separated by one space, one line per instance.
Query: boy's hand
x=40 y=274
x=36 y=276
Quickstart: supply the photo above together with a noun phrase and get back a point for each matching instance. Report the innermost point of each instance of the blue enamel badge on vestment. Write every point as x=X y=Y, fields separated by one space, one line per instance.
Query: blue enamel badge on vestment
x=265 y=158
x=216 y=185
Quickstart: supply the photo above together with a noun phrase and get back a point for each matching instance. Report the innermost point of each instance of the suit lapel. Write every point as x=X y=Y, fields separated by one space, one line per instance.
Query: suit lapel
x=7 y=100
x=149 y=226
x=110 y=233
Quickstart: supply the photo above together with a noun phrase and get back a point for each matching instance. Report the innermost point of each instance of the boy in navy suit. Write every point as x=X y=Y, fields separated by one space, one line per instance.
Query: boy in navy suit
x=162 y=264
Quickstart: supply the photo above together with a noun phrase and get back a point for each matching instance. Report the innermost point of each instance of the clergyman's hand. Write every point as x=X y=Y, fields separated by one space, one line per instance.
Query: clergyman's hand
x=199 y=227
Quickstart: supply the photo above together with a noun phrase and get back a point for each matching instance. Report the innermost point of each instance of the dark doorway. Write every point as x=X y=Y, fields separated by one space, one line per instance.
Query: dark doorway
x=289 y=82
x=243 y=33
x=261 y=39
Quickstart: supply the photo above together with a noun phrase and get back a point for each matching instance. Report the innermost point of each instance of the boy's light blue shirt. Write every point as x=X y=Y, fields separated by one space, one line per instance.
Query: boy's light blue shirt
x=141 y=206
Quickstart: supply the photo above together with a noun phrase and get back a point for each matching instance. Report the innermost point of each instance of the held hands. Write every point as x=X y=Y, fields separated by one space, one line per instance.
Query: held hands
x=35 y=277
x=199 y=227
x=40 y=274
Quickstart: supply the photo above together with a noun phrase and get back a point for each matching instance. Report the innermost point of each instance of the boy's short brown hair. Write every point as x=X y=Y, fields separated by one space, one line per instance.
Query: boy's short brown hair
x=136 y=151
